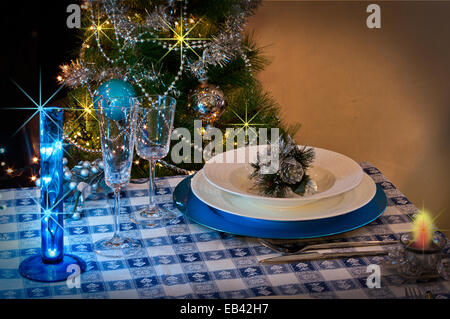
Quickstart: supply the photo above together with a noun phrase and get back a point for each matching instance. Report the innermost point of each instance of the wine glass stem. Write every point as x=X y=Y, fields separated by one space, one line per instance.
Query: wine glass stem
x=116 y=213
x=151 y=184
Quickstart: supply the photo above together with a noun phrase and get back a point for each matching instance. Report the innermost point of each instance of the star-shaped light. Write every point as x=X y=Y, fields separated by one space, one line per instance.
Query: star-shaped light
x=98 y=29
x=181 y=38
x=247 y=124
x=87 y=106
x=47 y=213
x=39 y=106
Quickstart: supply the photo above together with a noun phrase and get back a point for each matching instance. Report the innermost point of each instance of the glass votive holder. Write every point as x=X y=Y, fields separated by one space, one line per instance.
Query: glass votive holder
x=418 y=263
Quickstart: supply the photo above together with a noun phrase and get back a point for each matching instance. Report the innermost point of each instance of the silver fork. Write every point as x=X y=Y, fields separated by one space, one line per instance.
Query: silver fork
x=413 y=293
x=297 y=247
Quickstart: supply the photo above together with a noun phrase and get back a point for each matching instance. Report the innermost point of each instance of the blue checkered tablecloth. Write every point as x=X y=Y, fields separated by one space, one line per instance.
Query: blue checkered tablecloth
x=185 y=260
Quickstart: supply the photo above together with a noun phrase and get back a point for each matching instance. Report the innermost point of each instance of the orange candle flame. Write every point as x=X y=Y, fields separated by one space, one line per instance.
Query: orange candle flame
x=423 y=231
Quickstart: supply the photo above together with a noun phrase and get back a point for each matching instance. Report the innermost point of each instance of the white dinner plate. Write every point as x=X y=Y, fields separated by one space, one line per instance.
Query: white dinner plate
x=238 y=205
x=333 y=173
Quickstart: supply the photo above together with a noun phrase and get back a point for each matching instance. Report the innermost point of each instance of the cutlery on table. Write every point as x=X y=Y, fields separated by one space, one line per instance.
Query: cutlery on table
x=297 y=247
x=310 y=256
x=413 y=293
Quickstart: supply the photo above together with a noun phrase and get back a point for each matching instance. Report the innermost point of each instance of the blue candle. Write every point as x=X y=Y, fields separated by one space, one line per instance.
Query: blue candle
x=52 y=233
x=51 y=264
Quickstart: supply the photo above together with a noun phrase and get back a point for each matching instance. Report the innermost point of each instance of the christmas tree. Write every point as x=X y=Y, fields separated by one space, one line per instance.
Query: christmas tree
x=184 y=49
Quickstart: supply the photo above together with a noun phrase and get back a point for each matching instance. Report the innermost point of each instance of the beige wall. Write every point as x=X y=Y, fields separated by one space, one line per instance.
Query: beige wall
x=376 y=95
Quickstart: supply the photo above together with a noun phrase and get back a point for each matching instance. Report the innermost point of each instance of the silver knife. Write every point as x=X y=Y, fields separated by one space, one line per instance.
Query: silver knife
x=318 y=256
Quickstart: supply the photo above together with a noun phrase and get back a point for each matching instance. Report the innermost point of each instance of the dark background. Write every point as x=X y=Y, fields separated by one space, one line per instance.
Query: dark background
x=34 y=36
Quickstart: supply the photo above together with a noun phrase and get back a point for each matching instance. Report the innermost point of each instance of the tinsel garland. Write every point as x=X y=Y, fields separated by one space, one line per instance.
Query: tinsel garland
x=223 y=46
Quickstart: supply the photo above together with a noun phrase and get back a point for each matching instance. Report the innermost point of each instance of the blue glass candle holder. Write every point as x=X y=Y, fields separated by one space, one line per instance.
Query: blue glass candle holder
x=52 y=264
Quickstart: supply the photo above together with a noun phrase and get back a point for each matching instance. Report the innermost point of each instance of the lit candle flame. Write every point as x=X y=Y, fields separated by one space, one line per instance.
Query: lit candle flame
x=423 y=231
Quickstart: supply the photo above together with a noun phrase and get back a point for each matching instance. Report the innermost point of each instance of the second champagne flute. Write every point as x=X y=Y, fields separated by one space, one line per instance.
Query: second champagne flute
x=155 y=124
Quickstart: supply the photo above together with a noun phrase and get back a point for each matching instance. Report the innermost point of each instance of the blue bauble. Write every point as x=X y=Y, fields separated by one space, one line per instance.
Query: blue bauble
x=114 y=89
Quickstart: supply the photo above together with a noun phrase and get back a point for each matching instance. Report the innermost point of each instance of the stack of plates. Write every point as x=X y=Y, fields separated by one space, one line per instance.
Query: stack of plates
x=221 y=197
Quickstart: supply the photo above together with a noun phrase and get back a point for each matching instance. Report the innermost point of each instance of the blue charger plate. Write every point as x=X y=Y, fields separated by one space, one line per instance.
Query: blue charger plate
x=200 y=213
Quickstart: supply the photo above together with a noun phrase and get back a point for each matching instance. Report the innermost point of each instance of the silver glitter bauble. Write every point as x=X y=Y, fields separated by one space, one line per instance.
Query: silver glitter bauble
x=86 y=164
x=94 y=169
x=72 y=185
x=65 y=161
x=68 y=175
x=101 y=165
x=84 y=172
x=208 y=101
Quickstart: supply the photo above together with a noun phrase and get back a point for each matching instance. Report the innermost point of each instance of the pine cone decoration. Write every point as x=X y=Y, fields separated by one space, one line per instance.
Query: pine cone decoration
x=291 y=175
x=291 y=171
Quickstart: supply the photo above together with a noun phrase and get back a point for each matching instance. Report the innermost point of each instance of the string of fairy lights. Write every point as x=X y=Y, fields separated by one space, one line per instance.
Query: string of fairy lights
x=10 y=171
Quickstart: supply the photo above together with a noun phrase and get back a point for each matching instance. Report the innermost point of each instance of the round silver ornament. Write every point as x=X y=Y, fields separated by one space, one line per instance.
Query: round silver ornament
x=67 y=175
x=94 y=169
x=72 y=185
x=101 y=165
x=84 y=172
x=208 y=102
x=86 y=164
x=65 y=161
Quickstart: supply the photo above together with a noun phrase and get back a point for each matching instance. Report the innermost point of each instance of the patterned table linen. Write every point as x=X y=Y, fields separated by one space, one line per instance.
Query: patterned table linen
x=185 y=260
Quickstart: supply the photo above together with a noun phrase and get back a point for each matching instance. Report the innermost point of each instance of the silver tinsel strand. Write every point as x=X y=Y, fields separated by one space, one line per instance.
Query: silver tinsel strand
x=227 y=44
x=223 y=47
x=158 y=19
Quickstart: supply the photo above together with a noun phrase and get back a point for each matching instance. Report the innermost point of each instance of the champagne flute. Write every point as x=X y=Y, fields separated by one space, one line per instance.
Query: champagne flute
x=117 y=118
x=152 y=143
